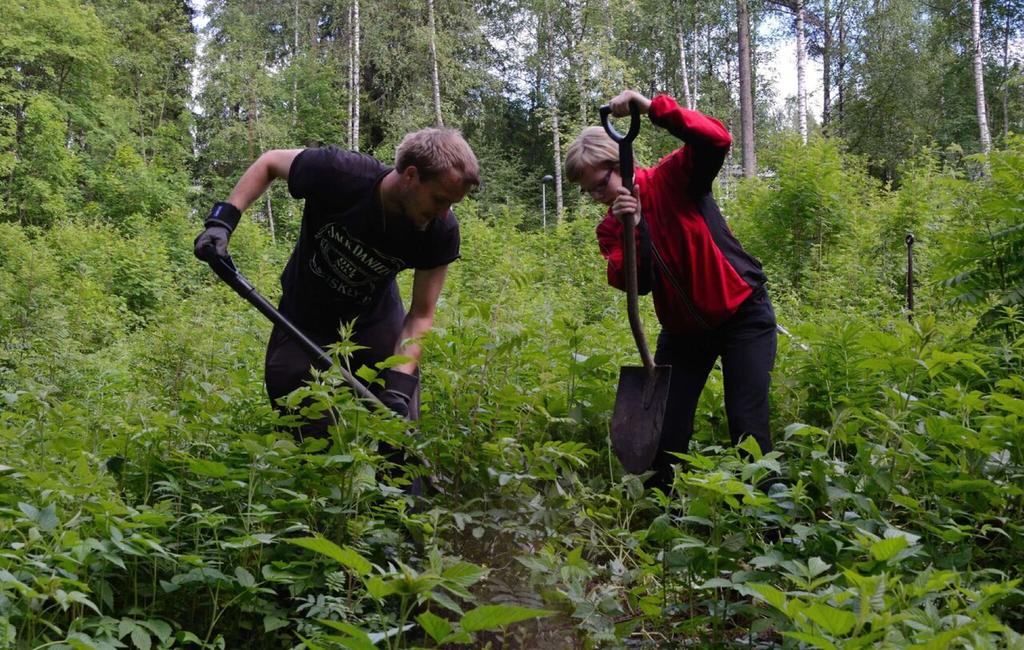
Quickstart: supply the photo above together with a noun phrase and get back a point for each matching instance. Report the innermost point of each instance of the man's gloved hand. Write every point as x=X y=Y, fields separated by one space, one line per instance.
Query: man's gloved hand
x=213 y=242
x=399 y=388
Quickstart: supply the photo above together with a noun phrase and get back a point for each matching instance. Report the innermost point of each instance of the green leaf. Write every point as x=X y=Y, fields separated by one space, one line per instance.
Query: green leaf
x=46 y=518
x=379 y=589
x=347 y=557
x=812 y=639
x=490 y=617
x=210 y=468
x=816 y=566
x=464 y=574
x=836 y=622
x=749 y=444
x=347 y=628
x=770 y=595
x=140 y=637
x=885 y=549
x=437 y=627
x=271 y=623
x=160 y=629
x=309 y=644
x=244 y=578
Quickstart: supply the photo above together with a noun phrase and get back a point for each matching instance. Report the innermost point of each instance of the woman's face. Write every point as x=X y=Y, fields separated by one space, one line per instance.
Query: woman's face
x=601 y=183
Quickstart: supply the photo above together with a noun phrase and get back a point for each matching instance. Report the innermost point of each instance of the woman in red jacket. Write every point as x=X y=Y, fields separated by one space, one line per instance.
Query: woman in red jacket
x=709 y=293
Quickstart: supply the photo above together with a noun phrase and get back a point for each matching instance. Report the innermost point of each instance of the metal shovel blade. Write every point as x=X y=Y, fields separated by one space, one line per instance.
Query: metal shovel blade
x=639 y=413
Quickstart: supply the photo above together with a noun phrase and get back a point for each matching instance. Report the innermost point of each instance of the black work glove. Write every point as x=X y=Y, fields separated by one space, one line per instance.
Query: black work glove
x=399 y=388
x=213 y=242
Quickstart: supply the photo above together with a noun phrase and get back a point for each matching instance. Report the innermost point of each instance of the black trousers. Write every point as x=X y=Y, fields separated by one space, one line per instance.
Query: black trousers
x=746 y=344
x=288 y=365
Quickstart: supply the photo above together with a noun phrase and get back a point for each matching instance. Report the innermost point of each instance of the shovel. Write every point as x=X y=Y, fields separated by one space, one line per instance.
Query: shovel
x=226 y=270
x=643 y=391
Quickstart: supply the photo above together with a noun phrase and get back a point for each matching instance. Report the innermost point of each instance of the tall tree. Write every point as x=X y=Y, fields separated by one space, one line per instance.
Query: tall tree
x=684 y=72
x=979 y=76
x=356 y=81
x=438 y=119
x=801 y=64
x=746 y=89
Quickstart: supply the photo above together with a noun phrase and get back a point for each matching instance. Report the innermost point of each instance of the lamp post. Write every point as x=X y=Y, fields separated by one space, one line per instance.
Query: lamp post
x=544 y=197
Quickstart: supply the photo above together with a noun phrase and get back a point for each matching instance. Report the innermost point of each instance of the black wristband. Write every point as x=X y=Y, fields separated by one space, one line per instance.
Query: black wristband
x=225 y=215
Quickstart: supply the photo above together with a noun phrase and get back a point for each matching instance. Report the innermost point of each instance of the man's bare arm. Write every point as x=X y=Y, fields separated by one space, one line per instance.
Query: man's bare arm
x=426 y=288
x=273 y=164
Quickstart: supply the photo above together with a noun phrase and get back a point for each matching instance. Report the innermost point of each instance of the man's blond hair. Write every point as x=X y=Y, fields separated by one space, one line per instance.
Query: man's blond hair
x=432 y=151
x=592 y=148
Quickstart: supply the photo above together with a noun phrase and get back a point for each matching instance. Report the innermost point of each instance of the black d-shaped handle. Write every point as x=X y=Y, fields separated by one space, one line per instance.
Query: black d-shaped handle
x=625 y=141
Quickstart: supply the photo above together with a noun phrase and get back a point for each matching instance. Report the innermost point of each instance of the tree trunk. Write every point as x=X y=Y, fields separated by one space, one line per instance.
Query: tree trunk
x=695 y=61
x=746 y=90
x=801 y=64
x=683 y=71
x=356 y=89
x=826 y=66
x=351 y=80
x=579 y=65
x=552 y=98
x=433 y=61
x=841 y=61
x=979 y=77
x=270 y=207
x=557 y=142
x=1006 y=77
x=295 y=76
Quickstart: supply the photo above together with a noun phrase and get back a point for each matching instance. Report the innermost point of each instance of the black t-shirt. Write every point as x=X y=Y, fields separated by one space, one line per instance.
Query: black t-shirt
x=348 y=255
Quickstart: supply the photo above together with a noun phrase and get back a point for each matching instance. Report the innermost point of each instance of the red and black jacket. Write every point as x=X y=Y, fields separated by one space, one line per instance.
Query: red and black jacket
x=682 y=222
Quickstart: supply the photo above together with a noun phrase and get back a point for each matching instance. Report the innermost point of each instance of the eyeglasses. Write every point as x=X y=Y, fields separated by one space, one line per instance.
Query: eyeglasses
x=600 y=187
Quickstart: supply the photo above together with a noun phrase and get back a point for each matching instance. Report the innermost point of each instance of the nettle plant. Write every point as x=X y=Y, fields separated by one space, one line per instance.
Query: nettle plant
x=149 y=496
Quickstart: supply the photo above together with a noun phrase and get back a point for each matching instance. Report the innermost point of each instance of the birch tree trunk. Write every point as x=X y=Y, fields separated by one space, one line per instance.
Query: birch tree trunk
x=1006 y=78
x=841 y=61
x=557 y=143
x=351 y=78
x=979 y=77
x=683 y=71
x=746 y=90
x=695 y=59
x=826 y=66
x=433 y=61
x=295 y=77
x=579 y=65
x=801 y=64
x=356 y=82
x=552 y=71
x=266 y=195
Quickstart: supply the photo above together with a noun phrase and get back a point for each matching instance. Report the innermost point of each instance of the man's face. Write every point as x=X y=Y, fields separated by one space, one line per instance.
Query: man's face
x=426 y=201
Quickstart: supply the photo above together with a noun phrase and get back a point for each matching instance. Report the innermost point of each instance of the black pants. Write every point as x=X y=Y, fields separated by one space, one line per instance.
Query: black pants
x=746 y=343
x=288 y=364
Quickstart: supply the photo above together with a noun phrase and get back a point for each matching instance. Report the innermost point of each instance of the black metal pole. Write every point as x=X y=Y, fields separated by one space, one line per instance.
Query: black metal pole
x=226 y=270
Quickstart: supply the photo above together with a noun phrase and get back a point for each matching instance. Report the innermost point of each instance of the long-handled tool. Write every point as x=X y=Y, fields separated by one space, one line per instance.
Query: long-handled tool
x=643 y=392
x=226 y=270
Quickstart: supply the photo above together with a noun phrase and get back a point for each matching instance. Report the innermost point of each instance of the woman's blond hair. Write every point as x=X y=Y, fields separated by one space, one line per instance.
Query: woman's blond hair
x=592 y=148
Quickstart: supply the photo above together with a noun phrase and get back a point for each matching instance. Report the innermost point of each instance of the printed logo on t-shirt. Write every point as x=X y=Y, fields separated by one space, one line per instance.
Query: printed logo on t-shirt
x=348 y=265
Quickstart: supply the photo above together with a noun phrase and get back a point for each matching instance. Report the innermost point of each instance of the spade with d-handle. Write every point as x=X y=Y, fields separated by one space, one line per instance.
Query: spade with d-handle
x=643 y=392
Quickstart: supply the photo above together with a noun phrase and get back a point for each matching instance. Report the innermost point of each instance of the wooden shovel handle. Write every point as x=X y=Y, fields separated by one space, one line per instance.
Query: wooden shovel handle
x=629 y=230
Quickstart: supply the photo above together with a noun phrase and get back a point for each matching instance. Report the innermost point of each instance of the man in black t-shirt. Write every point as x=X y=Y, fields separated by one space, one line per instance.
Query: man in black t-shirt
x=362 y=223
